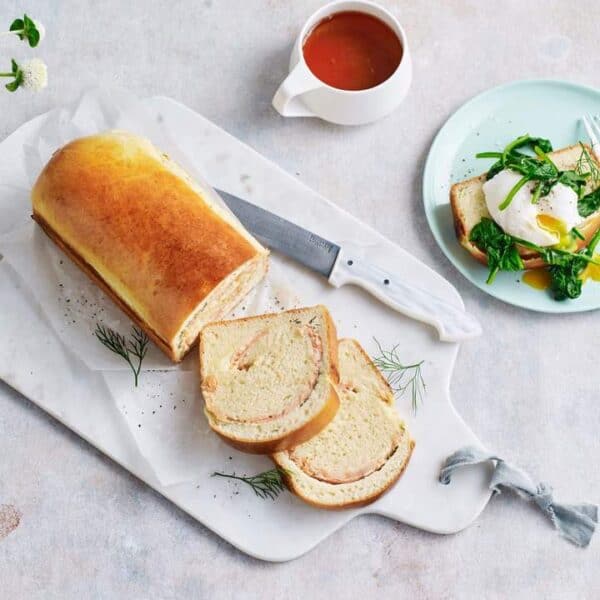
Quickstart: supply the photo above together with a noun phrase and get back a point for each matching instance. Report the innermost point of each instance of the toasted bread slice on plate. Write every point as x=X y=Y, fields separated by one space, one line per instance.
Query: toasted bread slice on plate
x=269 y=381
x=468 y=208
x=364 y=449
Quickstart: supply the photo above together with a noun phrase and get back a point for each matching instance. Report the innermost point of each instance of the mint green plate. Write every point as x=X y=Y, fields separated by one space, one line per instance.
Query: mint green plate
x=545 y=108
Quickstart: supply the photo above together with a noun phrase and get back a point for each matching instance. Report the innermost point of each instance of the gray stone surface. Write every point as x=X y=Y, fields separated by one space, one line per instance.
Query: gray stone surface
x=529 y=386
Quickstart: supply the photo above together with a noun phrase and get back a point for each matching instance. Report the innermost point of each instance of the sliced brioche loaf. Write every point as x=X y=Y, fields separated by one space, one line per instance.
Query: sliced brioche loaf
x=269 y=381
x=157 y=242
x=468 y=208
x=362 y=452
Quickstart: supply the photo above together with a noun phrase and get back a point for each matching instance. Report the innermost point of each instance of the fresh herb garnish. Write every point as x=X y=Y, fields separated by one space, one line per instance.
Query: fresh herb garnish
x=589 y=204
x=565 y=267
x=557 y=256
x=586 y=164
x=565 y=281
x=513 y=192
x=576 y=233
x=135 y=347
x=588 y=167
x=537 y=167
x=268 y=484
x=401 y=377
x=573 y=180
x=500 y=248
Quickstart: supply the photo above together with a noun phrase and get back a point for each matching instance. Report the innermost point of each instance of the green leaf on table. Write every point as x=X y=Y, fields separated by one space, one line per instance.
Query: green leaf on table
x=26 y=29
x=14 y=85
x=33 y=37
x=17 y=25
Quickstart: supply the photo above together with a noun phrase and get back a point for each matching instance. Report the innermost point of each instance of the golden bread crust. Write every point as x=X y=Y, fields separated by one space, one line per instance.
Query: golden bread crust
x=289 y=482
x=389 y=394
x=387 y=398
x=312 y=427
x=294 y=438
x=140 y=227
x=97 y=279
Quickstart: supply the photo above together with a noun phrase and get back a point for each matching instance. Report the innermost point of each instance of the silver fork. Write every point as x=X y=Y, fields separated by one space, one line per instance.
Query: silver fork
x=592 y=127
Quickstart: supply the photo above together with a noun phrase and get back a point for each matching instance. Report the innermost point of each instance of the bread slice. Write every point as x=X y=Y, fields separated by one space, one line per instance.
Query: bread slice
x=468 y=208
x=157 y=242
x=362 y=452
x=269 y=381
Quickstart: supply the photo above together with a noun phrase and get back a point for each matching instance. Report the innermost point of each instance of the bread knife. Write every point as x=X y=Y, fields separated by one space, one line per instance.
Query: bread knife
x=344 y=265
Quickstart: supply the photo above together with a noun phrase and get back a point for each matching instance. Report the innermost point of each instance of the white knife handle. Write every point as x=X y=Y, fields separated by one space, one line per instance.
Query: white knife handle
x=453 y=324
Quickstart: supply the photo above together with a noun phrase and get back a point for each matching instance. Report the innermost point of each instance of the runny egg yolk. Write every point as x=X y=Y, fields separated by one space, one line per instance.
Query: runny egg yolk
x=540 y=278
x=537 y=278
x=592 y=271
x=565 y=241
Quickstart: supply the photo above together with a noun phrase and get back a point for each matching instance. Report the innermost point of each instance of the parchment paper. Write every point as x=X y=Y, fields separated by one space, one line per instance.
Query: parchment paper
x=73 y=305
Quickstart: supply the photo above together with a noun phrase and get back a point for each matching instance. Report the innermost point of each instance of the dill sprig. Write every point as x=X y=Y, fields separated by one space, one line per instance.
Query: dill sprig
x=401 y=377
x=268 y=484
x=136 y=347
x=586 y=164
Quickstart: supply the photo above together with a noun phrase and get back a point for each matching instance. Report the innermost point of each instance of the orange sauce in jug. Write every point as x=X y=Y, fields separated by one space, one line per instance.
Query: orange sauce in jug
x=352 y=50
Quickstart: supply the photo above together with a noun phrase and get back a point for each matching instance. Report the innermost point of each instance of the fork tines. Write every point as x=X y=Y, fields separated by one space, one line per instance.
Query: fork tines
x=592 y=128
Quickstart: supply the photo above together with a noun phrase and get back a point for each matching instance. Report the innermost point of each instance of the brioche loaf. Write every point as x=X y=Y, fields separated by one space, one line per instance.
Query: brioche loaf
x=364 y=449
x=269 y=381
x=469 y=207
x=159 y=244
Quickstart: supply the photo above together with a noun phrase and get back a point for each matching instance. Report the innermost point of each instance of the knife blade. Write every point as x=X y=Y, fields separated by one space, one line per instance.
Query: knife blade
x=271 y=230
x=347 y=265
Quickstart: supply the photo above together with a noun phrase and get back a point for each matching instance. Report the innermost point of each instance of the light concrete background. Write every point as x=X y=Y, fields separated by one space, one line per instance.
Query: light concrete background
x=529 y=387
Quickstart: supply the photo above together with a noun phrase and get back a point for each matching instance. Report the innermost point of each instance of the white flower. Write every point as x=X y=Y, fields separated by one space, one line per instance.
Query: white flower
x=35 y=74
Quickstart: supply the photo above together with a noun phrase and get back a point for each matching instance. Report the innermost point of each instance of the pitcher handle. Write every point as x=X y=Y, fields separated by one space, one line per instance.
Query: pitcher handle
x=287 y=99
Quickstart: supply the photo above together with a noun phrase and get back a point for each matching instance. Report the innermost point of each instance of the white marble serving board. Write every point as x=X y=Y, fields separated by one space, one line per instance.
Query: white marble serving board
x=37 y=364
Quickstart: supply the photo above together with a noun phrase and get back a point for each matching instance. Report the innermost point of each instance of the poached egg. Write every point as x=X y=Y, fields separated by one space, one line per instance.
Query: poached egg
x=546 y=223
